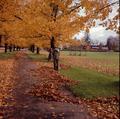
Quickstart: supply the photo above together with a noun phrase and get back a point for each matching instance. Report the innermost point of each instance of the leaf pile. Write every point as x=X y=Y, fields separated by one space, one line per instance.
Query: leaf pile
x=104 y=108
x=52 y=86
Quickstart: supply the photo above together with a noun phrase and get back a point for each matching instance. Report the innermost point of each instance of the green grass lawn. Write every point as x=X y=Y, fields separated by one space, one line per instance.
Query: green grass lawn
x=7 y=55
x=96 y=55
x=92 y=84
x=103 y=55
x=37 y=57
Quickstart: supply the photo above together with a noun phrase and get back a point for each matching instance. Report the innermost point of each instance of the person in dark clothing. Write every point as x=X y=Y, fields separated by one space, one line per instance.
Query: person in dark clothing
x=56 y=54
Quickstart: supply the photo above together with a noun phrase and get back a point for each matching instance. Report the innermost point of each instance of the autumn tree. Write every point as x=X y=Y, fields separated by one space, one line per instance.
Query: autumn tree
x=51 y=20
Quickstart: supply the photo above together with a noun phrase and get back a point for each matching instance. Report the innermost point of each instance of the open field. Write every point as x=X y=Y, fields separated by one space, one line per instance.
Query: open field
x=105 y=62
x=97 y=72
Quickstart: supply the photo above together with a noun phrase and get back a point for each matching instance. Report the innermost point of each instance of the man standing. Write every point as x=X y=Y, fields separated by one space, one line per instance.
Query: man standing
x=56 y=54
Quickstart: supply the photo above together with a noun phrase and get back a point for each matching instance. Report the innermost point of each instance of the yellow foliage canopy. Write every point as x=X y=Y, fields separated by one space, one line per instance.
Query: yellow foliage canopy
x=37 y=21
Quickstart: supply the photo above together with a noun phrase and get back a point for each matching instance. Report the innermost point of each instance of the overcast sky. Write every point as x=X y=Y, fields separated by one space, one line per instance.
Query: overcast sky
x=98 y=33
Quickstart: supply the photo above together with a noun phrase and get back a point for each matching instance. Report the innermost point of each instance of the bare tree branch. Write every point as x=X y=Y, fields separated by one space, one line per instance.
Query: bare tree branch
x=78 y=6
x=117 y=2
x=74 y=8
x=18 y=17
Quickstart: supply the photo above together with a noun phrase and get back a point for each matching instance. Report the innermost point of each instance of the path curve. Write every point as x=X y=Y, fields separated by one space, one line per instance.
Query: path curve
x=29 y=107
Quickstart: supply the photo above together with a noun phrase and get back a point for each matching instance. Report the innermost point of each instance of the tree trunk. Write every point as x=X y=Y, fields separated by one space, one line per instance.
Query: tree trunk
x=52 y=42
x=17 y=48
x=6 y=46
x=52 y=54
x=33 y=48
x=0 y=40
x=10 y=48
x=52 y=47
x=14 y=48
x=30 y=48
x=38 y=50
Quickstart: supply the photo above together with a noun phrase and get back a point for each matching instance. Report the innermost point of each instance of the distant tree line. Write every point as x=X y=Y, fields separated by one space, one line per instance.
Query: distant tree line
x=113 y=43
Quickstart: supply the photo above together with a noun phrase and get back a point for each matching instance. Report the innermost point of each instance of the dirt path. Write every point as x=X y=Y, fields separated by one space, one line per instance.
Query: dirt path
x=21 y=105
